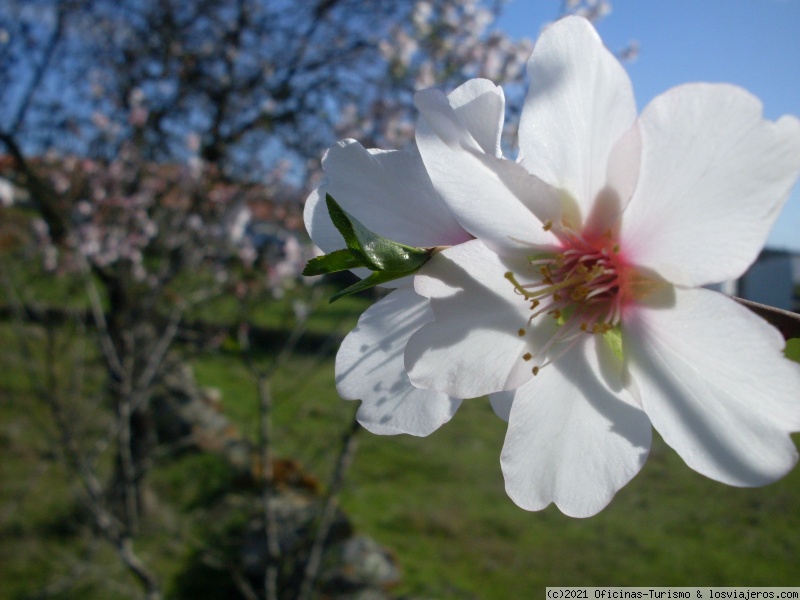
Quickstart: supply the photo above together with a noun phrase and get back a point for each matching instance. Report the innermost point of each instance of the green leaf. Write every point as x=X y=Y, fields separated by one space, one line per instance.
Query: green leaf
x=792 y=350
x=374 y=251
x=339 y=260
x=376 y=278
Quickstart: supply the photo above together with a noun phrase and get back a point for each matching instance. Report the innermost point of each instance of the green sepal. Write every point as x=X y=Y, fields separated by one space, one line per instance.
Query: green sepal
x=613 y=339
x=792 y=350
x=375 y=278
x=333 y=262
x=375 y=252
x=386 y=259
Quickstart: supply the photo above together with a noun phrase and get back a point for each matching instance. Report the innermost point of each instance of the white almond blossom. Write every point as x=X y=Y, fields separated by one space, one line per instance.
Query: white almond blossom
x=391 y=194
x=579 y=306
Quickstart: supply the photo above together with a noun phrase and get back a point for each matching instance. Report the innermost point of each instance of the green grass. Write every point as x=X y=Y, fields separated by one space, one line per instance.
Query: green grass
x=437 y=502
x=440 y=504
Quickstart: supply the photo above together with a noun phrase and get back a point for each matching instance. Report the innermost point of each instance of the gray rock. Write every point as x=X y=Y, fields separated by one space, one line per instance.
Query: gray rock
x=359 y=562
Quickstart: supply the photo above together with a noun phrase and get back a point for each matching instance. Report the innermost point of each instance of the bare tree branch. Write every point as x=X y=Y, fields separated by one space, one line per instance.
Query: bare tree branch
x=788 y=323
x=40 y=69
x=47 y=390
x=345 y=460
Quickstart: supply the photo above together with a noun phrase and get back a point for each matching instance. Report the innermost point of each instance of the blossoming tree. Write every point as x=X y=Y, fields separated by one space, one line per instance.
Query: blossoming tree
x=144 y=135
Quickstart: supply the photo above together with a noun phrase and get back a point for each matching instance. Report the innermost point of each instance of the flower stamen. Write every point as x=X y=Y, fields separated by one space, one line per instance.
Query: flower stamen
x=581 y=288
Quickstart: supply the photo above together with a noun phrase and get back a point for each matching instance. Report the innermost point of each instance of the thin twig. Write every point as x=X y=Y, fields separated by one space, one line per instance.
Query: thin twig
x=156 y=357
x=106 y=343
x=343 y=464
x=39 y=72
x=265 y=448
x=127 y=464
x=137 y=567
x=155 y=360
x=263 y=377
x=241 y=583
x=297 y=333
x=45 y=388
x=239 y=580
x=267 y=484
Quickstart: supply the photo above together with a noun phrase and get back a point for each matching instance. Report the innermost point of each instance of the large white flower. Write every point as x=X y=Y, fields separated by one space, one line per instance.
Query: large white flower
x=391 y=194
x=579 y=306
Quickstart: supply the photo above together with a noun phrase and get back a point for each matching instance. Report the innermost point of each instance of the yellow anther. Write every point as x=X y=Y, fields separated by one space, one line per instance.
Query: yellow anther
x=548 y=225
x=579 y=287
x=535 y=370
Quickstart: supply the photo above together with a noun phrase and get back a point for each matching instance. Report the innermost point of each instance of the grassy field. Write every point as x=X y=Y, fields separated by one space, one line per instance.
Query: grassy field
x=438 y=502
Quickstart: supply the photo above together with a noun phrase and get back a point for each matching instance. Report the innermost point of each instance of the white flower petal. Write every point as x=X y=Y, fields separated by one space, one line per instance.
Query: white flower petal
x=495 y=199
x=501 y=403
x=622 y=178
x=714 y=175
x=369 y=367
x=388 y=191
x=714 y=382
x=570 y=439
x=579 y=104
x=480 y=107
x=473 y=346
x=318 y=222
x=623 y=165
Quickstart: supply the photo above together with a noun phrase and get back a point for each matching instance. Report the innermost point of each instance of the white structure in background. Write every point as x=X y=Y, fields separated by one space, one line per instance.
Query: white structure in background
x=770 y=280
x=6 y=192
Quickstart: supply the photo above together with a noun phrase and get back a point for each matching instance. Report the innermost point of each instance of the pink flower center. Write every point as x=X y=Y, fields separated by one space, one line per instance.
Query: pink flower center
x=584 y=288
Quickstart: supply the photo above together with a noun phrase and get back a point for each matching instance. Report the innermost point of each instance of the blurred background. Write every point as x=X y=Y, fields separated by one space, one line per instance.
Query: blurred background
x=169 y=426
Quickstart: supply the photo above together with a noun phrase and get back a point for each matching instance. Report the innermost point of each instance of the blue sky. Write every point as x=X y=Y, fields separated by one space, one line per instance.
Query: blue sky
x=751 y=43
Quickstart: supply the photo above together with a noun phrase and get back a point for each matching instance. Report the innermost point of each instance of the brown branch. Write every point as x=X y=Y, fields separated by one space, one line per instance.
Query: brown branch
x=263 y=377
x=343 y=464
x=39 y=72
x=788 y=323
x=127 y=465
x=124 y=547
x=270 y=519
x=155 y=361
x=239 y=579
x=46 y=390
x=265 y=446
x=42 y=193
x=101 y=324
